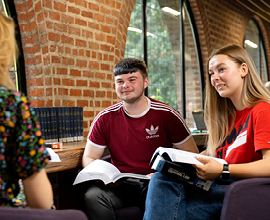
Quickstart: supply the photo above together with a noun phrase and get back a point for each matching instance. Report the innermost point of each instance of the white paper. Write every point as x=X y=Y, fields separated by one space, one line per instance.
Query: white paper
x=54 y=156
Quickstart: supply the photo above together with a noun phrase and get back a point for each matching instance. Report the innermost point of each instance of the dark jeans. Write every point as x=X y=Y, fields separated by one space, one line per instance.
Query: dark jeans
x=101 y=200
x=171 y=199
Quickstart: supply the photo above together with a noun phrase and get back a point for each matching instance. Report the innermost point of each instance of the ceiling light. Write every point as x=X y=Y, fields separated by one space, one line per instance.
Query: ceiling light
x=171 y=11
x=135 y=29
x=139 y=31
x=250 y=43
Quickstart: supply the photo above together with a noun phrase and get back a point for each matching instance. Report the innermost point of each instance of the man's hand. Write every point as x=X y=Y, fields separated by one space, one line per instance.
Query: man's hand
x=210 y=170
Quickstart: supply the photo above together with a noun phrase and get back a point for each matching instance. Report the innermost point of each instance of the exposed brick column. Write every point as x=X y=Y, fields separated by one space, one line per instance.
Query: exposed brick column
x=70 y=49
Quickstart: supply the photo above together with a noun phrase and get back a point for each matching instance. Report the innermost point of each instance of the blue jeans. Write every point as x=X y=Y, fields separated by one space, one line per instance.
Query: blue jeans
x=170 y=199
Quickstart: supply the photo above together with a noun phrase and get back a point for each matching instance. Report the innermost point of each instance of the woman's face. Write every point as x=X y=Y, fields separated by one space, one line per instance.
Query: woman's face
x=227 y=77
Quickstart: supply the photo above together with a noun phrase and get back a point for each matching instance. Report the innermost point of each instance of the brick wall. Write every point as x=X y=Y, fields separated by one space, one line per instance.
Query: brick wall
x=71 y=46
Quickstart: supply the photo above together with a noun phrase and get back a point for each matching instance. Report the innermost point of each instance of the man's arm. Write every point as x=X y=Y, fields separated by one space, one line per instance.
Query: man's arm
x=189 y=145
x=91 y=153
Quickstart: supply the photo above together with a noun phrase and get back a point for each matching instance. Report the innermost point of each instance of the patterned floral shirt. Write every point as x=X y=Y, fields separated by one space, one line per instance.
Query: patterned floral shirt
x=22 y=150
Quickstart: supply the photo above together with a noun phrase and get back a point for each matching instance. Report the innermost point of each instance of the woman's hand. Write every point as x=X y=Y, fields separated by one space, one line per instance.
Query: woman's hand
x=150 y=174
x=210 y=170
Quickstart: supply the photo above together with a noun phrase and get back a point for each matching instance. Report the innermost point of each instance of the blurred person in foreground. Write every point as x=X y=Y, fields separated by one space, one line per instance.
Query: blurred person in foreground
x=22 y=152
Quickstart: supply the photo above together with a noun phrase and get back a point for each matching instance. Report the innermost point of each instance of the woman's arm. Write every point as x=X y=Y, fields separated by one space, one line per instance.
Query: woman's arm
x=38 y=190
x=213 y=169
x=259 y=168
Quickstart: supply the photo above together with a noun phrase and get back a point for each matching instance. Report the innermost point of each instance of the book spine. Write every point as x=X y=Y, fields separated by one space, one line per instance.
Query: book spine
x=67 y=120
x=71 y=125
x=43 y=123
x=182 y=173
x=75 y=123
x=36 y=110
x=48 y=124
x=81 y=124
x=54 y=125
x=78 y=109
x=64 y=131
x=59 y=124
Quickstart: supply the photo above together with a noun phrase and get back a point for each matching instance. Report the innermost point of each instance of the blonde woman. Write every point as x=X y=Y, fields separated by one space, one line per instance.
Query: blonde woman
x=22 y=153
x=237 y=115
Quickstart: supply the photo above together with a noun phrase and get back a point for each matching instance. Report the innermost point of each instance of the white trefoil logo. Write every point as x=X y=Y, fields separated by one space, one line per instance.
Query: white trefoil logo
x=152 y=132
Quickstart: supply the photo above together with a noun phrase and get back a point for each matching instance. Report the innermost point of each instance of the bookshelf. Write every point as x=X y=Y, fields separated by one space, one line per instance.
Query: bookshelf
x=61 y=124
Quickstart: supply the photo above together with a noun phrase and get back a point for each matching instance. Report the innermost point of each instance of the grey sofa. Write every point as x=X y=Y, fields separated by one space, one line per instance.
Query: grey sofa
x=247 y=199
x=40 y=214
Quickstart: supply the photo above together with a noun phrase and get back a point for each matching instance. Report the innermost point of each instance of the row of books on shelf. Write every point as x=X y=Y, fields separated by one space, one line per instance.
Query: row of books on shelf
x=61 y=124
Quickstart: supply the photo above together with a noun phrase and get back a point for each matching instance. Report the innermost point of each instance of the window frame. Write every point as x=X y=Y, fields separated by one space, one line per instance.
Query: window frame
x=20 y=64
x=260 y=44
x=183 y=4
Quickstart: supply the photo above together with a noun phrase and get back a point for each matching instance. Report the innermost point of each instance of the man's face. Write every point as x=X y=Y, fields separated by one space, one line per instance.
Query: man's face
x=130 y=87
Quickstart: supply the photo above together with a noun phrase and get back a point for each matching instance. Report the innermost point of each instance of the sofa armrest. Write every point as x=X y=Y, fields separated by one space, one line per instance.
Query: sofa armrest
x=247 y=199
x=40 y=214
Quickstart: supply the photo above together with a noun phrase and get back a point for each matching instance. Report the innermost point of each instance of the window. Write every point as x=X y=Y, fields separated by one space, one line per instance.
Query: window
x=162 y=54
x=171 y=52
x=253 y=43
x=17 y=71
x=134 y=43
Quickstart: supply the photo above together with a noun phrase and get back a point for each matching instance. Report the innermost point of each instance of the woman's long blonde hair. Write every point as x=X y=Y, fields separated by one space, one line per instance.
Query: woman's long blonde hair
x=220 y=112
x=8 y=49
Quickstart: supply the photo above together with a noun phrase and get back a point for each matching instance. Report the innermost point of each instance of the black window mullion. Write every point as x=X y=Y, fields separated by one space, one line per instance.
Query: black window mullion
x=10 y=6
x=144 y=34
x=198 y=48
x=182 y=61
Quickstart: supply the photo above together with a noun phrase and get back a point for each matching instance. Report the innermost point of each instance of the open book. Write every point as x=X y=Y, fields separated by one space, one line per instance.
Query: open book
x=105 y=171
x=179 y=164
x=176 y=155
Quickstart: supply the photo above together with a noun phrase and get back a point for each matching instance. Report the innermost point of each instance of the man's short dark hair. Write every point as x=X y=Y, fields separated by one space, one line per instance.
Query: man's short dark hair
x=131 y=65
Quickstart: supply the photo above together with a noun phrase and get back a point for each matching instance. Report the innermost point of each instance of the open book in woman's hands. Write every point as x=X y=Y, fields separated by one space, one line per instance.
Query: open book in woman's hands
x=105 y=171
x=179 y=164
x=182 y=156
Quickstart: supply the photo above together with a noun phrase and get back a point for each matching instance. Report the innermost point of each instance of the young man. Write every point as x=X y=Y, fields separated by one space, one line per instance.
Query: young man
x=132 y=130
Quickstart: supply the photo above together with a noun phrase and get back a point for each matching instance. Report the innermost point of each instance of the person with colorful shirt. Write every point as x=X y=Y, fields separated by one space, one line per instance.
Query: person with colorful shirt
x=237 y=115
x=132 y=130
x=22 y=152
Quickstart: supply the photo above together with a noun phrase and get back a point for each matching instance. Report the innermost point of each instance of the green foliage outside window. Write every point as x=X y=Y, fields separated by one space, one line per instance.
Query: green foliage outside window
x=161 y=67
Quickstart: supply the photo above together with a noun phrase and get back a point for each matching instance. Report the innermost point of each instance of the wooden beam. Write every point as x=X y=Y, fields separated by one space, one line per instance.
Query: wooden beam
x=258 y=7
